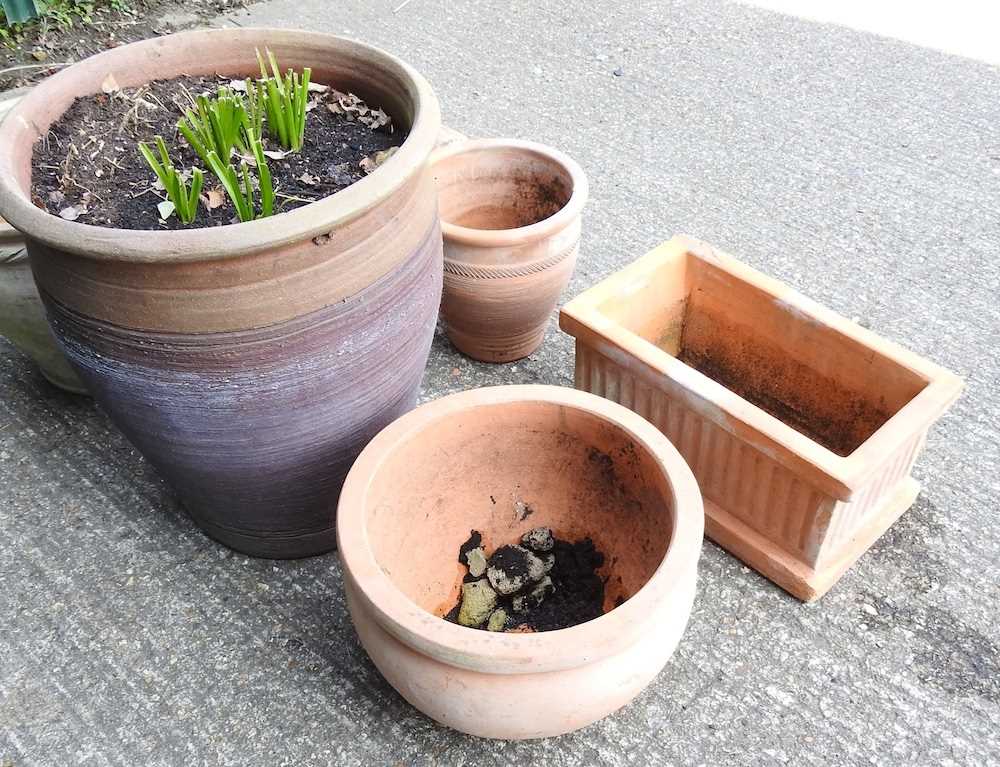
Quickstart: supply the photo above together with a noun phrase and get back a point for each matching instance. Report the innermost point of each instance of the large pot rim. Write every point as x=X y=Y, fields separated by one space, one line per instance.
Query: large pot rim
x=492 y=238
x=208 y=243
x=487 y=652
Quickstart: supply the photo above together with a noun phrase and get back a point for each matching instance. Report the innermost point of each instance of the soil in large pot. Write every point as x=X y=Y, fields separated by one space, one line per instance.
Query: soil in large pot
x=89 y=168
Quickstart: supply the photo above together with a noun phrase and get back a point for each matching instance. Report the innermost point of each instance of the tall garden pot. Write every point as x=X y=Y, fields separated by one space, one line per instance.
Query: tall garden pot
x=249 y=363
x=801 y=427
x=511 y=217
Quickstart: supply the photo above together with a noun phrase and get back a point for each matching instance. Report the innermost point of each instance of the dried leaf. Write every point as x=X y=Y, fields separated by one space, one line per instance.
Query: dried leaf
x=318 y=88
x=275 y=155
x=213 y=198
x=340 y=174
x=375 y=119
x=56 y=197
x=237 y=85
x=334 y=107
x=110 y=84
x=369 y=164
x=313 y=103
x=71 y=213
x=165 y=208
x=308 y=178
x=158 y=186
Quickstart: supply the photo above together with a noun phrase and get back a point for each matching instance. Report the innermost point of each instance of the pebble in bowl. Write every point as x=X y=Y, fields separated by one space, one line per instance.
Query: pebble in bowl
x=504 y=461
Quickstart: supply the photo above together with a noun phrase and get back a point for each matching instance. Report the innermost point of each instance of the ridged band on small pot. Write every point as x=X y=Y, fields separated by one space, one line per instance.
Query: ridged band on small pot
x=501 y=285
x=250 y=363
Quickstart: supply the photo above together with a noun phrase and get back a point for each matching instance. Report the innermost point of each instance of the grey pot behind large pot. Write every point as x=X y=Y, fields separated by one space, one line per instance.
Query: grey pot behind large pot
x=22 y=316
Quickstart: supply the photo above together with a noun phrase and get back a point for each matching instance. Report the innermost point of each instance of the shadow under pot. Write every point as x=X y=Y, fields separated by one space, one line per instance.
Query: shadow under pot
x=510 y=216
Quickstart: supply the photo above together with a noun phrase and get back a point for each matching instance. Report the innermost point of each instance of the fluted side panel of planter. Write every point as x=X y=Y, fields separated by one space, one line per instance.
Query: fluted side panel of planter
x=731 y=473
x=849 y=516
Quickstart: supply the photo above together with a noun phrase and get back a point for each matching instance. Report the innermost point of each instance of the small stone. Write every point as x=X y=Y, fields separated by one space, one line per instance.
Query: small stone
x=478 y=601
x=511 y=568
x=498 y=620
x=618 y=72
x=477 y=561
x=539 y=539
x=869 y=609
x=531 y=600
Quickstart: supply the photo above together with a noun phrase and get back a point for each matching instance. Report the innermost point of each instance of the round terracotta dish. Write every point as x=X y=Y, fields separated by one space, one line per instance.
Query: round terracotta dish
x=510 y=215
x=587 y=467
x=248 y=363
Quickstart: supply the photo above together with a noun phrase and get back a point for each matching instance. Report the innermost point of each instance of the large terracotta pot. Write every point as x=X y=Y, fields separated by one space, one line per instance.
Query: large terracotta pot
x=587 y=467
x=249 y=363
x=510 y=213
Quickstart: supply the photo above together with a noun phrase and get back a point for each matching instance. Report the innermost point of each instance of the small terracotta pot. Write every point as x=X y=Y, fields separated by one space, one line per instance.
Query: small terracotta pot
x=802 y=483
x=249 y=363
x=587 y=467
x=510 y=214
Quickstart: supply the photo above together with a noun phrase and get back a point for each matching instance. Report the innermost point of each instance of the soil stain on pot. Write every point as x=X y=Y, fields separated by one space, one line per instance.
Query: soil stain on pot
x=88 y=167
x=540 y=583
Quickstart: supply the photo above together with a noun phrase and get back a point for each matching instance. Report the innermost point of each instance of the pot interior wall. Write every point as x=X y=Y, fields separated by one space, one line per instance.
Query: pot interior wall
x=830 y=387
x=503 y=470
x=498 y=188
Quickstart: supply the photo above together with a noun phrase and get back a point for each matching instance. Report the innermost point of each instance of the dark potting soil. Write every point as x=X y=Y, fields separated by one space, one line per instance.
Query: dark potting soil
x=88 y=167
x=841 y=434
x=576 y=594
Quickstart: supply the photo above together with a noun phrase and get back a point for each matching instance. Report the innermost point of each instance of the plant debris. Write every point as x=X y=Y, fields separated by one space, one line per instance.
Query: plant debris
x=540 y=584
x=89 y=165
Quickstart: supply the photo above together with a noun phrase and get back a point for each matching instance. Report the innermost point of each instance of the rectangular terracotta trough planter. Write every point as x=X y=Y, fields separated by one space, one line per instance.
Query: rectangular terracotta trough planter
x=800 y=426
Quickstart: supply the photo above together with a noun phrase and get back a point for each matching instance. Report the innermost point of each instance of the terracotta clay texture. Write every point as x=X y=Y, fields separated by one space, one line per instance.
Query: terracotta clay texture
x=249 y=363
x=502 y=461
x=800 y=484
x=510 y=214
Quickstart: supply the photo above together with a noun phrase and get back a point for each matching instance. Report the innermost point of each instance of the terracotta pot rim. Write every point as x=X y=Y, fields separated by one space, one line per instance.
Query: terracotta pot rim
x=232 y=240
x=517 y=653
x=490 y=238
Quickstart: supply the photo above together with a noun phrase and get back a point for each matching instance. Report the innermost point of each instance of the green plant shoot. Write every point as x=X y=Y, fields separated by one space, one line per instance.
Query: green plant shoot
x=185 y=201
x=285 y=100
x=218 y=125
x=239 y=184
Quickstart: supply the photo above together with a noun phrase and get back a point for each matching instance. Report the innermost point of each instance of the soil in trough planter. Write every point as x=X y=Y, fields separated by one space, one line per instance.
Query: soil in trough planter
x=540 y=583
x=88 y=167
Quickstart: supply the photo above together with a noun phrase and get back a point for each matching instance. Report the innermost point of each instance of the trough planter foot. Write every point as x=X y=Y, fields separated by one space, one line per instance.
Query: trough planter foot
x=794 y=576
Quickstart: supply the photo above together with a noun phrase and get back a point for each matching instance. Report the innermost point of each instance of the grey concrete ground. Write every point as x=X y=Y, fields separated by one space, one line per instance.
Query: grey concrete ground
x=864 y=172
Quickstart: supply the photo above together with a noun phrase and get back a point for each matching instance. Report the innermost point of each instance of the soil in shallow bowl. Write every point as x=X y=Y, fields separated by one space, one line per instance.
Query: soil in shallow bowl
x=504 y=462
x=88 y=167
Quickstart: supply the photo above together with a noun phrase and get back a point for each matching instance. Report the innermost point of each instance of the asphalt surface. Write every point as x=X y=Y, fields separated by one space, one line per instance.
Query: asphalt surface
x=864 y=172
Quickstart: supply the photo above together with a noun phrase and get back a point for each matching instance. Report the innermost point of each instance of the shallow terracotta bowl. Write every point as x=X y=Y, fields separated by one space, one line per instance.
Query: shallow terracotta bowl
x=502 y=461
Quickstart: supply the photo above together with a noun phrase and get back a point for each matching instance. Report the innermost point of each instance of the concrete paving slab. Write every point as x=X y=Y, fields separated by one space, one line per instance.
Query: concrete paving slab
x=864 y=172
